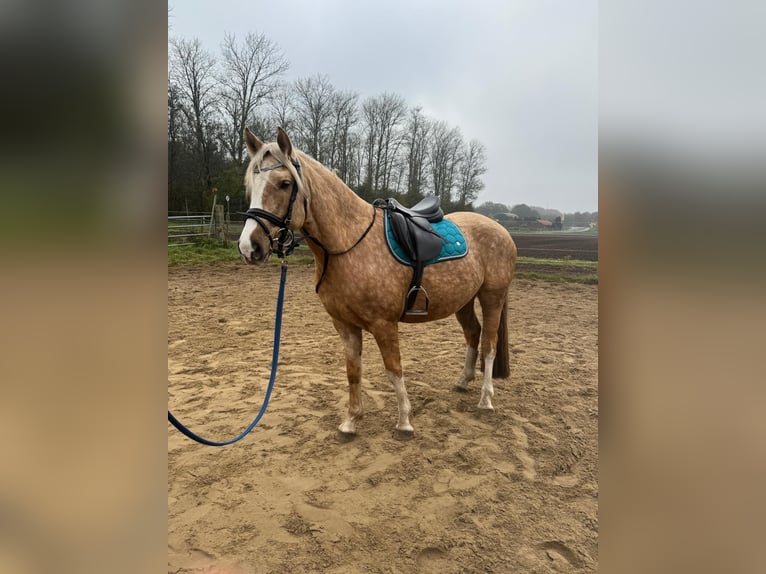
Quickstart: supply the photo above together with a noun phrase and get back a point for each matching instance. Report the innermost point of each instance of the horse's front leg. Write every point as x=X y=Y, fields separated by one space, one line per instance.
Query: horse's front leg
x=387 y=337
x=352 y=342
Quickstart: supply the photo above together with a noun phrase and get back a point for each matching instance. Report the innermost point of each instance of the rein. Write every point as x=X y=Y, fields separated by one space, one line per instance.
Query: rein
x=274 y=361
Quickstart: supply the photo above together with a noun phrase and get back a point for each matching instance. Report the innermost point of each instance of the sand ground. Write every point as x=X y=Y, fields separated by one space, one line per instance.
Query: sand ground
x=516 y=491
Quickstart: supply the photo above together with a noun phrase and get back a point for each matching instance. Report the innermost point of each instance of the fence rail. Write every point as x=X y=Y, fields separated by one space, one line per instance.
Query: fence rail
x=183 y=227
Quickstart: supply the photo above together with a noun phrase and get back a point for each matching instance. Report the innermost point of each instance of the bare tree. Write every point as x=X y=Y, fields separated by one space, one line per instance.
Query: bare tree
x=344 y=117
x=394 y=167
x=192 y=72
x=472 y=166
x=356 y=157
x=398 y=178
x=281 y=107
x=445 y=156
x=264 y=125
x=249 y=75
x=416 y=149
x=383 y=116
x=174 y=128
x=313 y=113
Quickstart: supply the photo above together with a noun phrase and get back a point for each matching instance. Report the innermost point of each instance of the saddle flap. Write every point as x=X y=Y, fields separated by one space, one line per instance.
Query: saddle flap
x=402 y=234
x=427 y=242
x=416 y=236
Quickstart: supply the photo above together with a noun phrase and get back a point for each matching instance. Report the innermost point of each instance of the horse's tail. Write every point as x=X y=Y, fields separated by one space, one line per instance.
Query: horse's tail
x=501 y=368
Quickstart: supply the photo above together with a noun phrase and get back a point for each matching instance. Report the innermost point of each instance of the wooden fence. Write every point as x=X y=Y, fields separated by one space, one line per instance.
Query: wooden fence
x=188 y=228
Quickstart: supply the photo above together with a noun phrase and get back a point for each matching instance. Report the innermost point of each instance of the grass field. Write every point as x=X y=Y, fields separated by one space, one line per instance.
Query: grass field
x=579 y=263
x=207 y=251
x=558 y=277
x=557 y=270
x=210 y=252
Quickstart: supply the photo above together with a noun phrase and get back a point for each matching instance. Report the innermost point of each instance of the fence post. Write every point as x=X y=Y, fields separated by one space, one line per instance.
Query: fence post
x=219 y=222
x=214 y=191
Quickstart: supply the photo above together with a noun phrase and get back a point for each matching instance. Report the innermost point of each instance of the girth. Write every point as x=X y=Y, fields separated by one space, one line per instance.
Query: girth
x=412 y=229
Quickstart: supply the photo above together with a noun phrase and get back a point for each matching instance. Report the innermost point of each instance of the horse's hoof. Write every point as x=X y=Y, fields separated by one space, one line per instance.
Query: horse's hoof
x=404 y=434
x=461 y=389
x=485 y=411
x=345 y=436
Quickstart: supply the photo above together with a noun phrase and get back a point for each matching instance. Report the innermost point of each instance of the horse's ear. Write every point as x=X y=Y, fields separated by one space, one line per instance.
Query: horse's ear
x=252 y=142
x=284 y=142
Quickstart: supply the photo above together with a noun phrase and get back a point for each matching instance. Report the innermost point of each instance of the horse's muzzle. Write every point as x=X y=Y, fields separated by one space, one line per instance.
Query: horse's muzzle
x=258 y=255
x=253 y=244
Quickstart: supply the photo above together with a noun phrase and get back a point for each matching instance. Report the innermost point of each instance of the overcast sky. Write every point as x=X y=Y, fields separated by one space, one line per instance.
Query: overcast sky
x=519 y=76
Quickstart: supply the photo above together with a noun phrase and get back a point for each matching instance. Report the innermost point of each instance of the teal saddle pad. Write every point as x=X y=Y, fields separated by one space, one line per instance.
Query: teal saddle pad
x=454 y=245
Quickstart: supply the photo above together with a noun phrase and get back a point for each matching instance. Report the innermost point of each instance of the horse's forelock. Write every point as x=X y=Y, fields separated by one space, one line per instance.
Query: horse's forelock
x=288 y=163
x=273 y=150
x=256 y=163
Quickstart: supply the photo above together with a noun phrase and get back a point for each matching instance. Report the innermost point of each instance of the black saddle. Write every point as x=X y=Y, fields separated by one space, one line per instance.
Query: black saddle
x=427 y=208
x=412 y=230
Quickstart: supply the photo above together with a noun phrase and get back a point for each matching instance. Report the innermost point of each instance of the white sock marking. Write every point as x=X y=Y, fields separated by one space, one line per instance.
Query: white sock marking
x=487 y=390
x=469 y=371
x=402 y=401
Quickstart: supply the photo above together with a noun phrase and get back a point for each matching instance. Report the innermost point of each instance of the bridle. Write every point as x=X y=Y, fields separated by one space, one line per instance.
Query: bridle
x=284 y=243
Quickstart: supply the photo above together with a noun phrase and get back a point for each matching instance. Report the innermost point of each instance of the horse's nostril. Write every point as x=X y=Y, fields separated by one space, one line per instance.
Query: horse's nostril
x=256 y=251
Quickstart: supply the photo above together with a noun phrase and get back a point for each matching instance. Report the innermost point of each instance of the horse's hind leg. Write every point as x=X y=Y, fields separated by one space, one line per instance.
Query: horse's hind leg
x=466 y=316
x=352 y=341
x=491 y=309
x=387 y=337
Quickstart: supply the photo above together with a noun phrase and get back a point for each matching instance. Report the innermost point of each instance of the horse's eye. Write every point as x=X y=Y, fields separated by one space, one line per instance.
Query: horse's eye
x=284 y=184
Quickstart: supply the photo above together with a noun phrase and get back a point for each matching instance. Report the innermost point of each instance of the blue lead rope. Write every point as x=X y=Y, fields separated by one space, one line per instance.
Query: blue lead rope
x=274 y=360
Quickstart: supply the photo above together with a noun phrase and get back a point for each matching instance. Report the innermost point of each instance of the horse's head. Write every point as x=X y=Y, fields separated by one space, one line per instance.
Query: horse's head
x=278 y=201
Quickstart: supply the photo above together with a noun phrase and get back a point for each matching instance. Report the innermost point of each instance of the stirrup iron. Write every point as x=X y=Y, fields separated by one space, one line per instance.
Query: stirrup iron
x=412 y=296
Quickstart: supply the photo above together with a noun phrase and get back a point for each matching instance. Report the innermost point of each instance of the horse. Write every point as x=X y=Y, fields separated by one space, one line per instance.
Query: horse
x=358 y=281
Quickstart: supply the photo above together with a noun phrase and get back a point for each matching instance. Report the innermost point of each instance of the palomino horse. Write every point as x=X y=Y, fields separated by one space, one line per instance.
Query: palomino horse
x=360 y=283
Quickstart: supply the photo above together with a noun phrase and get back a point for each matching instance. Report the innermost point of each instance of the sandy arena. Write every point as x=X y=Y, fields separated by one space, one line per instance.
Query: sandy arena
x=512 y=492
